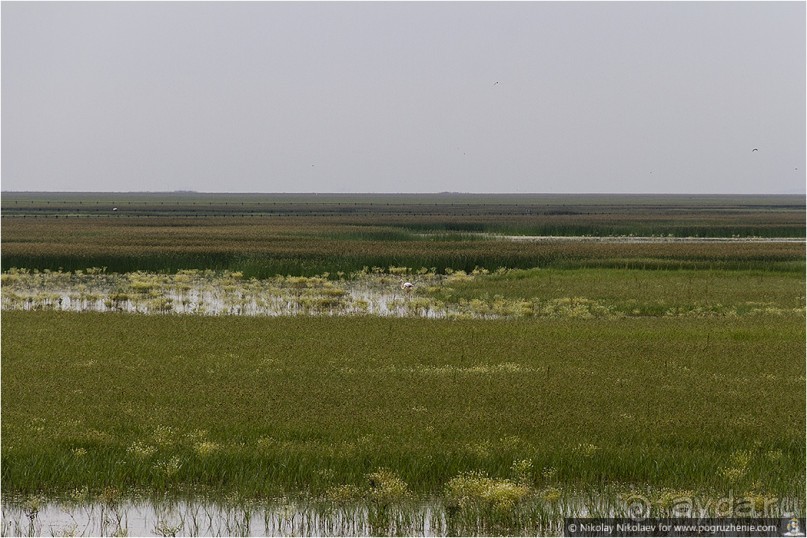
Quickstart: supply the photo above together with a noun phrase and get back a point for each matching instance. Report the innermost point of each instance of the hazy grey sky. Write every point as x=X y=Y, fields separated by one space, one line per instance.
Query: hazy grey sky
x=404 y=97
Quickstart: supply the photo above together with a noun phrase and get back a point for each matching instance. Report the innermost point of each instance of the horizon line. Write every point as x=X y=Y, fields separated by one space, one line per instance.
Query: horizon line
x=431 y=193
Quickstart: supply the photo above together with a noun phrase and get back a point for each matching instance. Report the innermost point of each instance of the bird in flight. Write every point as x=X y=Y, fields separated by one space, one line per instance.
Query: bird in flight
x=755 y=149
x=495 y=82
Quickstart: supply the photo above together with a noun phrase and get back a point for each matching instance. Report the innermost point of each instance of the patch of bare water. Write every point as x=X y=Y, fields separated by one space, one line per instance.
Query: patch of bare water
x=543 y=515
x=198 y=518
x=201 y=518
x=630 y=239
x=622 y=239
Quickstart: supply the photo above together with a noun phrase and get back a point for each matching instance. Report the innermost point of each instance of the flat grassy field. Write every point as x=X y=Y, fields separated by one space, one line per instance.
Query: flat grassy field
x=264 y=406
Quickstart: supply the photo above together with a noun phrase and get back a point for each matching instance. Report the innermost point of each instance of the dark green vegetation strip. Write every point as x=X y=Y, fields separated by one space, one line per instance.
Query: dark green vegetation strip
x=262 y=406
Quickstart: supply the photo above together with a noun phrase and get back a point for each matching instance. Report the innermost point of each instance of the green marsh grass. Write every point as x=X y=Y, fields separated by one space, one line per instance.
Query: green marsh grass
x=633 y=292
x=278 y=406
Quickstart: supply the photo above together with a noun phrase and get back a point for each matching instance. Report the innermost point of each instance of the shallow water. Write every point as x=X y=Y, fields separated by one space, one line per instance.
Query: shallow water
x=217 y=294
x=171 y=517
x=630 y=239
x=182 y=518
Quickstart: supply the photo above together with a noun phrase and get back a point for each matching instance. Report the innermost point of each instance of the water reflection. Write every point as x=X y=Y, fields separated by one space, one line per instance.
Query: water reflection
x=182 y=518
x=542 y=514
x=208 y=293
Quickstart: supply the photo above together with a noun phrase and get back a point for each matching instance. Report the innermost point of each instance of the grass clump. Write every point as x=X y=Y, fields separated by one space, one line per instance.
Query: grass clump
x=475 y=489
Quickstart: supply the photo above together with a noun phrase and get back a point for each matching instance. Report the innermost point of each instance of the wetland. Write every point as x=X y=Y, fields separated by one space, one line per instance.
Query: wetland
x=186 y=366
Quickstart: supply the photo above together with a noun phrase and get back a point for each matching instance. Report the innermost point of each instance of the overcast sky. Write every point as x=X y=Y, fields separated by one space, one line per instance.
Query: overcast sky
x=404 y=97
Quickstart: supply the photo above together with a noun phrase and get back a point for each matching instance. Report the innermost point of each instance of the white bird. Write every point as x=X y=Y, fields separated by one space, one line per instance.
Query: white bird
x=407 y=286
x=114 y=209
